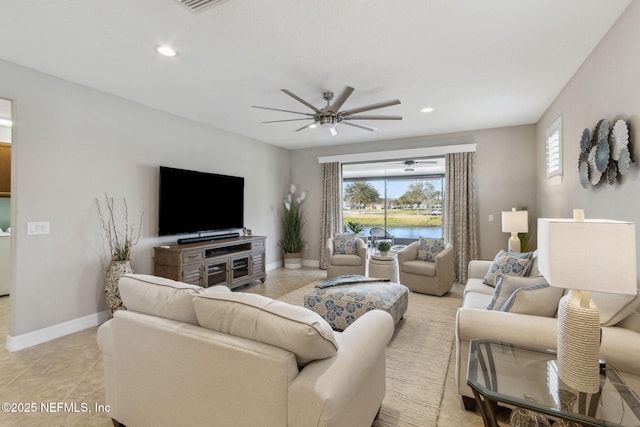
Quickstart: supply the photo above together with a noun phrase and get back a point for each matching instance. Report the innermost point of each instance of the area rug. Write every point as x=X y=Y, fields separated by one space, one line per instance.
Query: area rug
x=417 y=358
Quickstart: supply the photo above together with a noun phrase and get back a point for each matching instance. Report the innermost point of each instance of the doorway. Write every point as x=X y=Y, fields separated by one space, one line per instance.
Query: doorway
x=6 y=124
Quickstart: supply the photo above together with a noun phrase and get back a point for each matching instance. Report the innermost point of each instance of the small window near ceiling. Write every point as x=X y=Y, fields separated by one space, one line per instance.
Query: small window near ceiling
x=553 y=153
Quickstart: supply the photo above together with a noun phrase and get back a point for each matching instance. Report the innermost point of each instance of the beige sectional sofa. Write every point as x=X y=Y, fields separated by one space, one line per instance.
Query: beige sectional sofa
x=181 y=355
x=619 y=318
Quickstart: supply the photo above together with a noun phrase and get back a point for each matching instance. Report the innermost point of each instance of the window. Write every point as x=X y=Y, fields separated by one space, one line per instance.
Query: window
x=553 y=155
x=405 y=197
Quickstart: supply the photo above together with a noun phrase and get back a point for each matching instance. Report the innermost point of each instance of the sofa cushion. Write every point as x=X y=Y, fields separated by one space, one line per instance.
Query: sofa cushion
x=476 y=285
x=614 y=307
x=507 y=285
x=160 y=297
x=346 y=260
x=344 y=244
x=423 y=268
x=262 y=319
x=476 y=300
x=631 y=322
x=507 y=263
x=429 y=248
x=537 y=300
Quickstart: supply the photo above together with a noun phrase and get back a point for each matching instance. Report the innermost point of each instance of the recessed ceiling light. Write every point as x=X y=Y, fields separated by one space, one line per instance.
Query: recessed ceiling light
x=166 y=51
x=427 y=110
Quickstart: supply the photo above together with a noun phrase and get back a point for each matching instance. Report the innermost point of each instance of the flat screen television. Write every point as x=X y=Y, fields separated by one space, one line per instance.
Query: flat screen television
x=193 y=202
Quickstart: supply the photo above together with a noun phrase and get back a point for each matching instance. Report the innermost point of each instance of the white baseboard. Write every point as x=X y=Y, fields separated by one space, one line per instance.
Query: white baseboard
x=49 y=333
x=311 y=263
x=274 y=265
x=305 y=263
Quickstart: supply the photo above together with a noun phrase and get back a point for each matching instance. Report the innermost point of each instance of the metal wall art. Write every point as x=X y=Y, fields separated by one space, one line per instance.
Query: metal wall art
x=604 y=155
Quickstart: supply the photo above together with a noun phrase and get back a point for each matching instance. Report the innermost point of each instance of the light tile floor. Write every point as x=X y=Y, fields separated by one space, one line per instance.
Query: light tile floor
x=69 y=370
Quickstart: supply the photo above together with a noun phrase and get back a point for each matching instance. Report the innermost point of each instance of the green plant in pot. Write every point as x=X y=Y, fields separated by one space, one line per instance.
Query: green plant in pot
x=384 y=247
x=292 y=225
x=355 y=227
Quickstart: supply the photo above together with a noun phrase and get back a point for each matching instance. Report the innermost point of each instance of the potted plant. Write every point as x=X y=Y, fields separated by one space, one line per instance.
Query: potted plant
x=120 y=244
x=355 y=227
x=292 y=225
x=383 y=247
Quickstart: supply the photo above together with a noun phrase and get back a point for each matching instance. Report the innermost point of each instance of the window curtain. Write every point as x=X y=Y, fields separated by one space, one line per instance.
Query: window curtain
x=460 y=207
x=331 y=216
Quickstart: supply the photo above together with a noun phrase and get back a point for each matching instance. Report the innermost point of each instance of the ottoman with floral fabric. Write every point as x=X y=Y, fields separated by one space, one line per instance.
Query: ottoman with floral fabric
x=341 y=300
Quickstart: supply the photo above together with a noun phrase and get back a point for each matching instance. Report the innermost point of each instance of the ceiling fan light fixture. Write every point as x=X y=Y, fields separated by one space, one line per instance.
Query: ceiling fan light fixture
x=328 y=121
x=166 y=51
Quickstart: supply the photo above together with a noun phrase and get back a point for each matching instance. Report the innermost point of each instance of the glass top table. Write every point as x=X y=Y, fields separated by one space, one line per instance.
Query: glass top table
x=528 y=378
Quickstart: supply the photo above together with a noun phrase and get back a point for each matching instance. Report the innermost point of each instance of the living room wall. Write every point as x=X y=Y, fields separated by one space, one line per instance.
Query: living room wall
x=505 y=178
x=607 y=86
x=73 y=144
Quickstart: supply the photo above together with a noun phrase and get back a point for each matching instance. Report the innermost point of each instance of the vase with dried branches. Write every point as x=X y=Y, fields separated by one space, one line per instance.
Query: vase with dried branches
x=120 y=245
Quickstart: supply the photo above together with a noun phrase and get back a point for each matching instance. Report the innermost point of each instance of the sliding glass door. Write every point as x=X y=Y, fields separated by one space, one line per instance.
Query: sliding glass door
x=407 y=205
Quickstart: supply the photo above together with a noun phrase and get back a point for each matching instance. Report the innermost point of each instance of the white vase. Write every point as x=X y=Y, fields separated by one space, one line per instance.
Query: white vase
x=116 y=270
x=292 y=261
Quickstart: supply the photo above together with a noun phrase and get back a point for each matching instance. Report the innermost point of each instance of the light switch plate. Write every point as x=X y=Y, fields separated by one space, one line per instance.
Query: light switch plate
x=490 y=218
x=37 y=228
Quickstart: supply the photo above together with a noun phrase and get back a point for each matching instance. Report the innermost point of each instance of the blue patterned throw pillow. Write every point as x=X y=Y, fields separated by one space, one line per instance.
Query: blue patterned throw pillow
x=344 y=244
x=507 y=263
x=428 y=248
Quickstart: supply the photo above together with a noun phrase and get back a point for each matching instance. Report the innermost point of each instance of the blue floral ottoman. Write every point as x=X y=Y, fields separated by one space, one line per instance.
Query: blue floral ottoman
x=342 y=305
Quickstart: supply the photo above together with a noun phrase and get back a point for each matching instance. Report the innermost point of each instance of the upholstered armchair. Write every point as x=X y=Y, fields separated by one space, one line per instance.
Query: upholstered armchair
x=435 y=278
x=339 y=264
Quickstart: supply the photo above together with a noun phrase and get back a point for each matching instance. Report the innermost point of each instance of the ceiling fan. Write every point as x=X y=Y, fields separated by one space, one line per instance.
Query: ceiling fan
x=330 y=115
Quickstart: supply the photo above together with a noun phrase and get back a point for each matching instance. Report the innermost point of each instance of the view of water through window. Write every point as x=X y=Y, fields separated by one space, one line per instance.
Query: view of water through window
x=407 y=207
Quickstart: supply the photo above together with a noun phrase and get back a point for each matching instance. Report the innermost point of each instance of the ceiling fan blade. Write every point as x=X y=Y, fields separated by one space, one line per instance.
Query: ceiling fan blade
x=359 y=125
x=304 y=127
x=346 y=93
x=288 y=120
x=284 y=111
x=370 y=107
x=333 y=131
x=297 y=98
x=365 y=117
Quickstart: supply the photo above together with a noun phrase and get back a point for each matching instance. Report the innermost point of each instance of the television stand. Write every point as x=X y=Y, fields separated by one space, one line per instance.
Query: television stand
x=233 y=261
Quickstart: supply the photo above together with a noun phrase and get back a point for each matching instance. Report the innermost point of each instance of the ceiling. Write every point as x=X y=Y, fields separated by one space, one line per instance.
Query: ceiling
x=478 y=64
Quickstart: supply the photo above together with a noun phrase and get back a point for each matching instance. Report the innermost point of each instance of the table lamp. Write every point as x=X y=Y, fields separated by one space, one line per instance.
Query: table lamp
x=584 y=256
x=514 y=222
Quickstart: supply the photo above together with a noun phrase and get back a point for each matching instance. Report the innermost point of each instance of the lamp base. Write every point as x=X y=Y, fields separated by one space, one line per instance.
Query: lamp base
x=514 y=243
x=579 y=342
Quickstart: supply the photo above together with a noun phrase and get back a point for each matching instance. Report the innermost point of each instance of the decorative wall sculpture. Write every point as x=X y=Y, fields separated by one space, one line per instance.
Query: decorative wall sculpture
x=604 y=155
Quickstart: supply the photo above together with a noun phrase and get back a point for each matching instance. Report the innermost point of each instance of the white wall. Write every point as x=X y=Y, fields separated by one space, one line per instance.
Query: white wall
x=606 y=86
x=505 y=172
x=73 y=144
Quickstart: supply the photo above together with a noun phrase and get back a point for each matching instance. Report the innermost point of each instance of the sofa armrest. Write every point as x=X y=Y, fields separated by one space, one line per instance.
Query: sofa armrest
x=361 y=248
x=410 y=253
x=444 y=264
x=476 y=323
x=332 y=391
x=479 y=268
x=620 y=348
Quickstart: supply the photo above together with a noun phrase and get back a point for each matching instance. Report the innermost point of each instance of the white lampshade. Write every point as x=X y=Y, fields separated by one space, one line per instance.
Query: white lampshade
x=594 y=255
x=515 y=221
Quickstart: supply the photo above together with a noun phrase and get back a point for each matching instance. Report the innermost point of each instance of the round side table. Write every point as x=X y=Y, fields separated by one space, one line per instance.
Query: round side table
x=384 y=267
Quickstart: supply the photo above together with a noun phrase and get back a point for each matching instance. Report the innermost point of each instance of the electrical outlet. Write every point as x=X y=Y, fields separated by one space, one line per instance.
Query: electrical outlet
x=490 y=218
x=37 y=228
x=306 y=246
